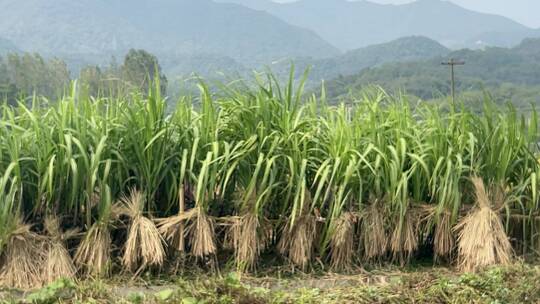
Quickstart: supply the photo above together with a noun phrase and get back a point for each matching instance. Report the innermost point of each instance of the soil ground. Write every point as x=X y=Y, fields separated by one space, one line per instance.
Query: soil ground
x=519 y=283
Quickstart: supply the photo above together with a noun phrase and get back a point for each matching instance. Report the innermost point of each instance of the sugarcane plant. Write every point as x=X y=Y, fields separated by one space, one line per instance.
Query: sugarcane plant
x=89 y=185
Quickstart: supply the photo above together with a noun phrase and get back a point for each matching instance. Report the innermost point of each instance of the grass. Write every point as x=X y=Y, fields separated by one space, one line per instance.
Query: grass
x=516 y=283
x=244 y=172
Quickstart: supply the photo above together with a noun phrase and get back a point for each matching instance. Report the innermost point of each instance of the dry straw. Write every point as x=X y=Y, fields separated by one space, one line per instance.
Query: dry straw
x=93 y=255
x=297 y=242
x=374 y=238
x=342 y=241
x=482 y=240
x=144 y=246
x=23 y=258
x=58 y=263
x=443 y=240
x=404 y=238
x=201 y=234
x=248 y=236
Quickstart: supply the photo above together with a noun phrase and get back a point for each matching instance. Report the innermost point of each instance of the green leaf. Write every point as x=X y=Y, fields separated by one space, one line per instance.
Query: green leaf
x=189 y=300
x=164 y=295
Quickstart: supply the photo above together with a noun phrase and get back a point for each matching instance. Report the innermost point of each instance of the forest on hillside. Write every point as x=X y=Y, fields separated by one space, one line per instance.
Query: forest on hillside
x=508 y=74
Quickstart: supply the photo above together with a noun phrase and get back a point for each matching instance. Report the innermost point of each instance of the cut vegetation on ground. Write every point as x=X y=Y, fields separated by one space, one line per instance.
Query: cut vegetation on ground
x=514 y=284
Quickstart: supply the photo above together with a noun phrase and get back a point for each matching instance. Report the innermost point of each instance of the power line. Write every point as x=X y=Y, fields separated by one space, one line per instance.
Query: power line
x=452 y=62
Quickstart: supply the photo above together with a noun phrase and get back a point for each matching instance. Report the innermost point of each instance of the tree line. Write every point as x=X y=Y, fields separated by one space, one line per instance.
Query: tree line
x=25 y=75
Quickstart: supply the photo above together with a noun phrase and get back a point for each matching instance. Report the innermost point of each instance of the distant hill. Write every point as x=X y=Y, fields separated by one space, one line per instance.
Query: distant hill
x=399 y=50
x=529 y=47
x=163 y=27
x=353 y=24
x=206 y=65
x=491 y=68
x=501 y=39
x=7 y=46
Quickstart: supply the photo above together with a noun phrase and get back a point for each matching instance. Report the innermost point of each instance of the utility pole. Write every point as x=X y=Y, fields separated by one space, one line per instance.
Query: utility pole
x=453 y=63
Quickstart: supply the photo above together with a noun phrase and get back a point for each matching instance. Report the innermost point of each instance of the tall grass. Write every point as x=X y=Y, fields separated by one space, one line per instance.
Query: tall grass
x=283 y=171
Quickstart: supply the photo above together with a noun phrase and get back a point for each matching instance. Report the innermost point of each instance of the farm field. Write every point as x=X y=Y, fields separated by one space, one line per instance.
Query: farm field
x=269 y=151
x=95 y=190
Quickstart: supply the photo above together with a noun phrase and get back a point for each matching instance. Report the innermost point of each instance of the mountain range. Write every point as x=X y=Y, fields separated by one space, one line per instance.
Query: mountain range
x=334 y=37
x=400 y=50
x=353 y=24
x=164 y=27
x=349 y=63
x=493 y=68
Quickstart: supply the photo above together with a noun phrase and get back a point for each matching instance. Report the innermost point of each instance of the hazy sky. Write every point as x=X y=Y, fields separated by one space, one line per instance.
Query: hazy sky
x=524 y=11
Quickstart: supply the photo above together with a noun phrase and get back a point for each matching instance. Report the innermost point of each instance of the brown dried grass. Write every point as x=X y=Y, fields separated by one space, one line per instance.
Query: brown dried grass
x=23 y=259
x=443 y=239
x=59 y=263
x=374 y=238
x=93 y=254
x=482 y=240
x=248 y=236
x=172 y=229
x=404 y=239
x=342 y=242
x=144 y=245
x=297 y=242
x=201 y=234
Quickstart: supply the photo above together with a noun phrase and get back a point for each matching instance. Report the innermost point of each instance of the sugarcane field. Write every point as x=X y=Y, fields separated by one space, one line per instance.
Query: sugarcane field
x=254 y=183
x=269 y=151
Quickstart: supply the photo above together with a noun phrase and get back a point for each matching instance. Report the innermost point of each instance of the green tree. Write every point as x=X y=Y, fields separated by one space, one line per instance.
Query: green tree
x=91 y=79
x=30 y=73
x=140 y=69
x=8 y=90
x=58 y=77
